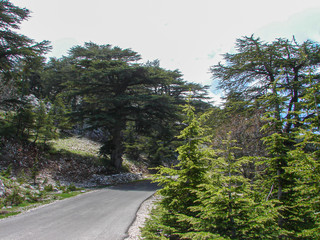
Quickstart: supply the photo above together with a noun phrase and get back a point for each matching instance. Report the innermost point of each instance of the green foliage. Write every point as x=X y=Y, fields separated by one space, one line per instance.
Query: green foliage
x=48 y=188
x=24 y=121
x=22 y=177
x=304 y=207
x=145 y=95
x=276 y=78
x=156 y=147
x=67 y=194
x=279 y=143
x=15 y=46
x=287 y=93
x=311 y=102
x=54 y=77
x=228 y=206
x=44 y=128
x=157 y=227
x=7 y=172
x=32 y=122
x=206 y=196
x=59 y=115
x=267 y=191
x=18 y=56
x=4 y=214
x=14 y=198
x=72 y=188
x=178 y=183
x=6 y=126
x=32 y=197
x=258 y=68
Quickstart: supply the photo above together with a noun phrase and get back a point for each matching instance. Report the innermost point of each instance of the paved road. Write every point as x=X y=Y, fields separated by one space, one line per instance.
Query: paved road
x=102 y=214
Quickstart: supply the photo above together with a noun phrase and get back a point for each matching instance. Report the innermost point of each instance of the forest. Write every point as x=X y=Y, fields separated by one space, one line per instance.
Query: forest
x=248 y=169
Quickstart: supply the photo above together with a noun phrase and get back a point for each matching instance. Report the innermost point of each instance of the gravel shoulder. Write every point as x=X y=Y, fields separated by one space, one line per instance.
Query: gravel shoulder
x=134 y=232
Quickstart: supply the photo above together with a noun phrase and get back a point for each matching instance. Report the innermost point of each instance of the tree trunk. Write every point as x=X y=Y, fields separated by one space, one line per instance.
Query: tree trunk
x=117 y=147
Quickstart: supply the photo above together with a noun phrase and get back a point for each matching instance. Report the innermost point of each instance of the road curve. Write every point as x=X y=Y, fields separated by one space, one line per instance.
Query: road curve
x=102 y=214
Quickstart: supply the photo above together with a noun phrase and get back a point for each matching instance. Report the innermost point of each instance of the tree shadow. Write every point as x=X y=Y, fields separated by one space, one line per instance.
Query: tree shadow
x=142 y=185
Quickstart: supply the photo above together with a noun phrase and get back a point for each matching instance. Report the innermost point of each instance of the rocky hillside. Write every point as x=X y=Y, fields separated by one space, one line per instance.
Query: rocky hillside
x=29 y=172
x=72 y=159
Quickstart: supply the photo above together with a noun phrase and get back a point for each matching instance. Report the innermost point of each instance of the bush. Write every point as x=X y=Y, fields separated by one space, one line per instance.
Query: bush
x=48 y=188
x=7 y=172
x=32 y=197
x=72 y=187
x=22 y=177
x=14 y=198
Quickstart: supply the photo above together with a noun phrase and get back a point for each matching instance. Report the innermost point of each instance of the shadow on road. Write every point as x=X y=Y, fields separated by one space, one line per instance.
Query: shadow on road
x=145 y=185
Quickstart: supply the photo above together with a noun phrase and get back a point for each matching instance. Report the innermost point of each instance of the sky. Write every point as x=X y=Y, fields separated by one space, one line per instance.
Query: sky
x=188 y=35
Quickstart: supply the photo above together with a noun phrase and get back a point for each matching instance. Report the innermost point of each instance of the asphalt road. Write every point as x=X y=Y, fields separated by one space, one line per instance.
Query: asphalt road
x=102 y=214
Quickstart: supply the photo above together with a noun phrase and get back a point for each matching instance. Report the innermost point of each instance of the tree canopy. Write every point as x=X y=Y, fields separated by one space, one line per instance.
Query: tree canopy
x=15 y=46
x=113 y=89
x=17 y=52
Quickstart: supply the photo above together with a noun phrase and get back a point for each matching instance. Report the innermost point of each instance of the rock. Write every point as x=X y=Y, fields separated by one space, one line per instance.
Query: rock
x=2 y=188
x=98 y=179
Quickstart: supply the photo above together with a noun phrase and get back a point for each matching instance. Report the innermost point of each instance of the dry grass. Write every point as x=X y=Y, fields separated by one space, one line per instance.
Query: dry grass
x=81 y=146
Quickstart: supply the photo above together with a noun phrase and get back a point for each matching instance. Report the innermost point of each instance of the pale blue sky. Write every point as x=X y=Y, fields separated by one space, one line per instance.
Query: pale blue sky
x=189 y=35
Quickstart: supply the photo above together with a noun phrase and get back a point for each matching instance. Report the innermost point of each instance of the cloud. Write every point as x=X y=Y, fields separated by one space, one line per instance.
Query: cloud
x=215 y=99
x=212 y=54
x=304 y=26
x=61 y=46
